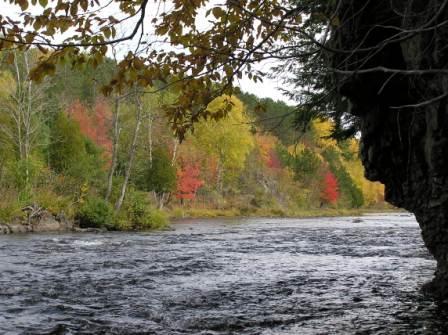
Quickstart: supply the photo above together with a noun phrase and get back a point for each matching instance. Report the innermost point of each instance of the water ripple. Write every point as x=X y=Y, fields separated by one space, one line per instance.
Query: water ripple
x=253 y=276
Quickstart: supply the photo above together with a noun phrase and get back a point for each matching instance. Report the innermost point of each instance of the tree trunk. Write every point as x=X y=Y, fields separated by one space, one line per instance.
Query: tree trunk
x=173 y=159
x=115 y=143
x=220 y=177
x=27 y=120
x=150 y=144
x=132 y=152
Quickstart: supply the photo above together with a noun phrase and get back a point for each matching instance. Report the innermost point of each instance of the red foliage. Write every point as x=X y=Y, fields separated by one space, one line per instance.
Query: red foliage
x=102 y=116
x=188 y=181
x=96 y=127
x=78 y=112
x=273 y=161
x=330 y=192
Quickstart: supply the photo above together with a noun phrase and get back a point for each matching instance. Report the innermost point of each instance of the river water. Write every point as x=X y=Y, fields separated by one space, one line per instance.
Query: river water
x=250 y=276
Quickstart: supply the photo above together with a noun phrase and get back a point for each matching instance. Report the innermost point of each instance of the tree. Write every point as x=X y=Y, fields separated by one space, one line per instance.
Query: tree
x=219 y=53
x=160 y=177
x=350 y=192
x=188 y=181
x=95 y=125
x=306 y=36
x=305 y=164
x=132 y=150
x=21 y=109
x=273 y=117
x=266 y=146
x=376 y=65
x=330 y=191
x=116 y=130
x=70 y=152
x=228 y=139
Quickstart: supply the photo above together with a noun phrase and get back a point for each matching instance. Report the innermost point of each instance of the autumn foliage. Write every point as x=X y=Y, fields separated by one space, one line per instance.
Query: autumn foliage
x=188 y=181
x=266 y=145
x=330 y=191
x=274 y=161
x=95 y=125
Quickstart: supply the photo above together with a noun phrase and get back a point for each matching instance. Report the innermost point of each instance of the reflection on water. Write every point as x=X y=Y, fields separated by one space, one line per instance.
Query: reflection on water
x=254 y=276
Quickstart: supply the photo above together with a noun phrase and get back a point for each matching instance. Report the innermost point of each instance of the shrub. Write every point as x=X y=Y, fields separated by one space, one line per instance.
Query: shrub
x=138 y=214
x=96 y=213
x=52 y=202
x=9 y=210
x=158 y=219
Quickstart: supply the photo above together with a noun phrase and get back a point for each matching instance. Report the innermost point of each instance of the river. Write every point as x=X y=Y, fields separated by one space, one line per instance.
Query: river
x=239 y=276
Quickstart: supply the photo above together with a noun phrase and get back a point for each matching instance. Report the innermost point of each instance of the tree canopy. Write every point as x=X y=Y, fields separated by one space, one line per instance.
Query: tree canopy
x=199 y=47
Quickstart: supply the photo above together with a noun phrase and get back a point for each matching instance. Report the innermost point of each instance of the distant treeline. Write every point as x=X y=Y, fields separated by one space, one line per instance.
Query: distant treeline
x=113 y=161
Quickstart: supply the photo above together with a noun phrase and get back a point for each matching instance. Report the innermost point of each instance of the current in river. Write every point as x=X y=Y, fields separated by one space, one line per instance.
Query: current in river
x=233 y=276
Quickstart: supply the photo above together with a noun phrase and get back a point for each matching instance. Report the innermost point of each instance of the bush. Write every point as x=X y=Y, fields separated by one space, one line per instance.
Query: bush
x=96 y=213
x=52 y=202
x=157 y=219
x=10 y=209
x=138 y=214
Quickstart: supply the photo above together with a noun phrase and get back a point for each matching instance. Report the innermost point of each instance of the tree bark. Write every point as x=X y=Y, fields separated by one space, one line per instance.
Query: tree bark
x=132 y=152
x=115 y=144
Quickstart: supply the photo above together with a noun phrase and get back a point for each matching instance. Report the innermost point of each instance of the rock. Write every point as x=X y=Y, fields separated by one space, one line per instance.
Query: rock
x=44 y=222
x=4 y=229
x=89 y=230
x=48 y=222
x=357 y=220
x=405 y=148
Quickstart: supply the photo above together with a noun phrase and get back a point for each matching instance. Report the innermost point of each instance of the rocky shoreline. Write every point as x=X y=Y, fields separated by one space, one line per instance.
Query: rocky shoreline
x=45 y=222
x=38 y=220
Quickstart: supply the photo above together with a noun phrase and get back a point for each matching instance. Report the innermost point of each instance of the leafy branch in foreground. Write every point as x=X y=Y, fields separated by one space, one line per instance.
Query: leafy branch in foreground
x=200 y=48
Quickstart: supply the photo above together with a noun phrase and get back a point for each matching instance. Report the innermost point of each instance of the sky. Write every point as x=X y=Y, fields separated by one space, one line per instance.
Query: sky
x=269 y=88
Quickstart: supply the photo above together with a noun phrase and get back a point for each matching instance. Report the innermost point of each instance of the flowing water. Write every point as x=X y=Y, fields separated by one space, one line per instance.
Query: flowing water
x=241 y=276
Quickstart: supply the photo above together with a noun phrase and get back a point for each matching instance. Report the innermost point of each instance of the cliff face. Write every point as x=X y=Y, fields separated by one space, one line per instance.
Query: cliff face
x=403 y=115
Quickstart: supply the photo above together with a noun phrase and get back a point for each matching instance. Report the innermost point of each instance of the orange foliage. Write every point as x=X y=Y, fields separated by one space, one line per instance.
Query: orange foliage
x=102 y=117
x=266 y=147
x=95 y=125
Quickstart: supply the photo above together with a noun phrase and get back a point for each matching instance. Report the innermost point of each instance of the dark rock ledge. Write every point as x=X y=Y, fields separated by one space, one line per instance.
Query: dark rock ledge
x=404 y=116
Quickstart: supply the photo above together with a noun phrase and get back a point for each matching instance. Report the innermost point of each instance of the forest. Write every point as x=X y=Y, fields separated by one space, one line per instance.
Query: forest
x=115 y=162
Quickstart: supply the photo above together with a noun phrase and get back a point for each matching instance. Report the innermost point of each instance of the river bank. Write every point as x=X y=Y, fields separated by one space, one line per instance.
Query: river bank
x=194 y=213
x=46 y=222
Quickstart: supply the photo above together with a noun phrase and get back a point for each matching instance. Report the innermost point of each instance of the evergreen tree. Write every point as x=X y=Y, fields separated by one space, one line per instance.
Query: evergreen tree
x=160 y=177
x=70 y=152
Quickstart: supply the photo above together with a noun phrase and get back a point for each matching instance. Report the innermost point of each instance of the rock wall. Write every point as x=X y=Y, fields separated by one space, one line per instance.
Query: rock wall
x=404 y=147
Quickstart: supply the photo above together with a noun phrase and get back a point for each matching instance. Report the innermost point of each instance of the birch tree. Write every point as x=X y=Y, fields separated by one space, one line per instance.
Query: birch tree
x=132 y=151
x=22 y=108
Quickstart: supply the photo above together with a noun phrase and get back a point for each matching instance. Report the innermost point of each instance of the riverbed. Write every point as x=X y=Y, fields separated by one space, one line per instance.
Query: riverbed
x=229 y=276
